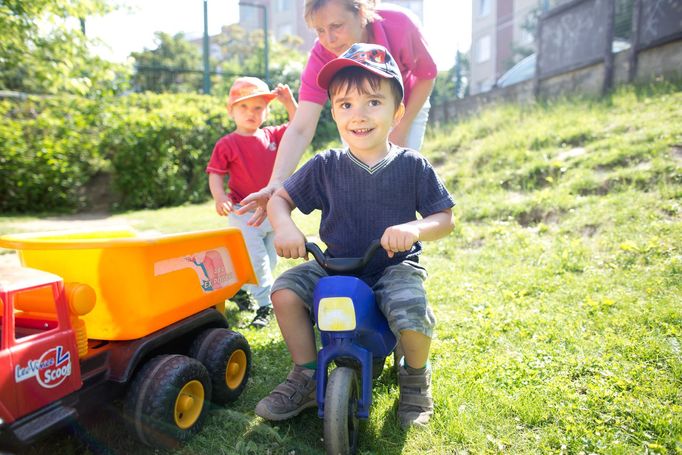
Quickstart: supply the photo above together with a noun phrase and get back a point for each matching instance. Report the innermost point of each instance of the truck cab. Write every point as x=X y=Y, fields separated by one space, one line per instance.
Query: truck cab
x=39 y=333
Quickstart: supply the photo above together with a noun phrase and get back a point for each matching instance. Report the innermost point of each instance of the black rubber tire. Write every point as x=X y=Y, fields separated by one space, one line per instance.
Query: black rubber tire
x=377 y=364
x=227 y=357
x=151 y=403
x=341 y=422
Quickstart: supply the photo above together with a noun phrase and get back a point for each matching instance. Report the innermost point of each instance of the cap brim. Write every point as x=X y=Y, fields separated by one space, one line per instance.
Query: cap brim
x=268 y=97
x=326 y=74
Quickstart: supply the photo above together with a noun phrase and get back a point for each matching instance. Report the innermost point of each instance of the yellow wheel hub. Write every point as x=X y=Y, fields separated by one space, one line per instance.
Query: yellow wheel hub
x=188 y=404
x=236 y=369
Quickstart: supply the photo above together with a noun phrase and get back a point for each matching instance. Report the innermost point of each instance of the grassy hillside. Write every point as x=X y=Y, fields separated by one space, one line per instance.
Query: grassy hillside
x=557 y=297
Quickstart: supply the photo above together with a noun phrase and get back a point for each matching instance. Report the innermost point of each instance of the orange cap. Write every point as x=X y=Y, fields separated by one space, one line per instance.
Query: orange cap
x=249 y=87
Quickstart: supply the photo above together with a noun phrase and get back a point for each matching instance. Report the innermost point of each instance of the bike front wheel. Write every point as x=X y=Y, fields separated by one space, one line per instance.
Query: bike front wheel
x=341 y=422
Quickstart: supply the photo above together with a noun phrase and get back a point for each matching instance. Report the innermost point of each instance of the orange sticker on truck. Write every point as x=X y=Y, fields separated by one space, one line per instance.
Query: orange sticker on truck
x=213 y=268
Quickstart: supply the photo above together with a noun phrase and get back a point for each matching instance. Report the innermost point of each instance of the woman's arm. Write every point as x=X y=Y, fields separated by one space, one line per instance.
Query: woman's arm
x=421 y=91
x=296 y=138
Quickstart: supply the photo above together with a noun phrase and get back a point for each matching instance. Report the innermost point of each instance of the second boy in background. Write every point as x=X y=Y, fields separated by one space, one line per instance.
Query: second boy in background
x=247 y=156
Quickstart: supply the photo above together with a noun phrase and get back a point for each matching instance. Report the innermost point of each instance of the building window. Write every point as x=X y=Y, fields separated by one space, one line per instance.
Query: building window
x=484 y=7
x=483 y=49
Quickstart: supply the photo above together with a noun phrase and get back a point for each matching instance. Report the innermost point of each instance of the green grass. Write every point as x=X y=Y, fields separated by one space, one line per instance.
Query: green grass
x=557 y=296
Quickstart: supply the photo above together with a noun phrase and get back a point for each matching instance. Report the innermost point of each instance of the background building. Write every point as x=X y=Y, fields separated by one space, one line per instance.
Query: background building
x=285 y=17
x=502 y=33
x=497 y=30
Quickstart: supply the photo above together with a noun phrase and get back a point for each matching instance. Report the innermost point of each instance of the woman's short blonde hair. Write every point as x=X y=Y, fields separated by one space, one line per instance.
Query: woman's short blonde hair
x=365 y=9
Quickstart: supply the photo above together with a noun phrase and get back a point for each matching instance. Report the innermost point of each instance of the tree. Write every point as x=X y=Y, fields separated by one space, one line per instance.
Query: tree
x=174 y=66
x=242 y=55
x=454 y=82
x=44 y=50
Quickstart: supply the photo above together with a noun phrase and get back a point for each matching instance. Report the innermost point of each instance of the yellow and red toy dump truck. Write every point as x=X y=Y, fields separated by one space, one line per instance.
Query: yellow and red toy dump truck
x=96 y=316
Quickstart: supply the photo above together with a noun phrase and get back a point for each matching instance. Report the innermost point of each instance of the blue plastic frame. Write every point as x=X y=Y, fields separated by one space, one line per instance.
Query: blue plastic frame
x=371 y=337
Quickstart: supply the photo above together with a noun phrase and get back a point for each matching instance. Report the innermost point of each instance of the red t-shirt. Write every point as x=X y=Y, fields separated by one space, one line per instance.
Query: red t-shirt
x=247 y=159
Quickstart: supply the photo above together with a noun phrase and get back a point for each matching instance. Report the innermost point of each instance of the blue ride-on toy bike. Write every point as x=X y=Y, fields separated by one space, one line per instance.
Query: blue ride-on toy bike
x=354 y=334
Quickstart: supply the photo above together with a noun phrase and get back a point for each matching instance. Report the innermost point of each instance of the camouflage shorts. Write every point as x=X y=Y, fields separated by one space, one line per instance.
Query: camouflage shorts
x=399 y=292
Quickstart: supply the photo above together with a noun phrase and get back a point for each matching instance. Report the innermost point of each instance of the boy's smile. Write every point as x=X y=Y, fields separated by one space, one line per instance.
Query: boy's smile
x=365 y=118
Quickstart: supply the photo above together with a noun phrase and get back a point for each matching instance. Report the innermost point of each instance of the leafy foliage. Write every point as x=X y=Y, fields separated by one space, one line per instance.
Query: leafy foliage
x=453 y=83
x=49 y=152
x=159 y=145
x=153 y=146
x=43 y=49
x=174 y=66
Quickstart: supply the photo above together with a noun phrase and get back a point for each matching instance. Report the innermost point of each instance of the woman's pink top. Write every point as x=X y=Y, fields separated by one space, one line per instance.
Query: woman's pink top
x=396 y=29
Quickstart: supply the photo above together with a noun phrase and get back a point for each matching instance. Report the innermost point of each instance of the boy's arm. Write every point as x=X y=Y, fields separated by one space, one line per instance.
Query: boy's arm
x=285 y=97
x=289 y=240
x=401 y=237
x=216 y=183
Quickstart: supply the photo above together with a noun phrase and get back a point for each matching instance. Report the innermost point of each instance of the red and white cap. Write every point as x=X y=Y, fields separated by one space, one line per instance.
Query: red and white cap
x=249 y=87
x=372 y=57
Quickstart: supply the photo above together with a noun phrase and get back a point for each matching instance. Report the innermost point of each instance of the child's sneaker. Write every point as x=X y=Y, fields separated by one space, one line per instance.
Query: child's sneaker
x=288 y=399
x=262 y=318
x=243 y=300
x=415 y=406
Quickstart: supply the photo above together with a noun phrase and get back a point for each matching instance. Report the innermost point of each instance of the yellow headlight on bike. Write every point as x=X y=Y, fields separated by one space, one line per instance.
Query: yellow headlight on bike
x=336 y=314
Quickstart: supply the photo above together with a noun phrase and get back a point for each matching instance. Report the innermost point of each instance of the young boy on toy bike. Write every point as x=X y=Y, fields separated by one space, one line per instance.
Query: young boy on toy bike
x=370 y=190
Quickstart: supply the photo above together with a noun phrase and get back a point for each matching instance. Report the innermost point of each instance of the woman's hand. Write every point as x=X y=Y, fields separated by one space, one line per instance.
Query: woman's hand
x=258 y=203
x=399 y=133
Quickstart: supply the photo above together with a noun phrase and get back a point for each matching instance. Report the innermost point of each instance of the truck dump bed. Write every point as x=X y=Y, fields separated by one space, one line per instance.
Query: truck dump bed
x=142 y=283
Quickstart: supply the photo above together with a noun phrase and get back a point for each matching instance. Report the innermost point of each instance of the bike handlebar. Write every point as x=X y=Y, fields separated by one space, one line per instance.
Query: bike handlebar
x=342 y=265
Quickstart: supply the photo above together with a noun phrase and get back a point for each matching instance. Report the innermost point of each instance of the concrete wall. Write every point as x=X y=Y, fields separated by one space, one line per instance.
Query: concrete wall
x=663 y=61
x=655 y=63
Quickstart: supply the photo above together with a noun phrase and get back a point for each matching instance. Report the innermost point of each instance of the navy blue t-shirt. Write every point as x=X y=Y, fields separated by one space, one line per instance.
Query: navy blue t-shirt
x=358 y=203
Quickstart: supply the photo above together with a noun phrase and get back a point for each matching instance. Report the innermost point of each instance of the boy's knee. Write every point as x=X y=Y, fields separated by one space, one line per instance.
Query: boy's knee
x=285 y=297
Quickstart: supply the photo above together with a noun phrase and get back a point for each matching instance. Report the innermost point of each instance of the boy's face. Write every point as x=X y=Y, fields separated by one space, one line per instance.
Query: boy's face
x=249 y=114
x=365 y=119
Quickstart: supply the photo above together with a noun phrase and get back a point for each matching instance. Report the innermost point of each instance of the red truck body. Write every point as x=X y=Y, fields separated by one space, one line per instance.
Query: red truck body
x=38 y=354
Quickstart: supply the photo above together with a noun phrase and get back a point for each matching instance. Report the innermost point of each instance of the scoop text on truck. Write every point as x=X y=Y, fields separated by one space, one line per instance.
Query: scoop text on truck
x=95 y=316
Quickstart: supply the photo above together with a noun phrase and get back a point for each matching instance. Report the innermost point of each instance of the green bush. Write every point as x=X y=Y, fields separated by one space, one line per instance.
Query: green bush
x=155 y=148
x=48 y=152
x=158 y=147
